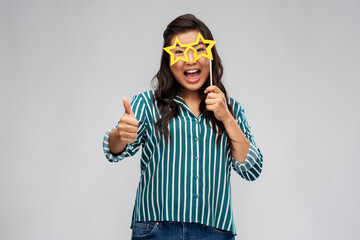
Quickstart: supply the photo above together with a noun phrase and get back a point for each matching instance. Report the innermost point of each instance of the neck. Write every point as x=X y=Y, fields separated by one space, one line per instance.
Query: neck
x=191 y=97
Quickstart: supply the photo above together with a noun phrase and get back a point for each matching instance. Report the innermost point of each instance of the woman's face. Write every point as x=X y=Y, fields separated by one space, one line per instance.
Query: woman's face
x=190 y=75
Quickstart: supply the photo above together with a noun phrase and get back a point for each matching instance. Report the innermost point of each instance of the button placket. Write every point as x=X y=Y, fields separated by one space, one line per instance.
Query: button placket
x=196 y=158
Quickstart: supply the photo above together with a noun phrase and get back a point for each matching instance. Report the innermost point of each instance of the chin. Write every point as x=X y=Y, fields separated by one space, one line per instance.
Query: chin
x=192 y=86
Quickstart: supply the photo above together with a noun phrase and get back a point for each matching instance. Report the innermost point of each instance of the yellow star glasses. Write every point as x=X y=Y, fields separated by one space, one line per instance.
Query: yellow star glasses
x=178 y=51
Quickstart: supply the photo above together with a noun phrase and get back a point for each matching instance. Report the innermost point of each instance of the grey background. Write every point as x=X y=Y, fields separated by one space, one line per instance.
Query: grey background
x=66 y=65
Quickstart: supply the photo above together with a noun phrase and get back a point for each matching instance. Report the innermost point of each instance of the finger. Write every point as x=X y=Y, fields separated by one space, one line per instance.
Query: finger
x=212 y=95
x=212 y=88
x=210 y=108
x=130 y=120
x=128 y=140
x=210 y=101
x=128 y=128
x=126 y=135
x=127 y=107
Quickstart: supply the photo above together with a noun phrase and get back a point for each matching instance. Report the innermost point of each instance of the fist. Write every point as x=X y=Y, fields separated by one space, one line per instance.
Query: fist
x=128 y=125
x=216 y=102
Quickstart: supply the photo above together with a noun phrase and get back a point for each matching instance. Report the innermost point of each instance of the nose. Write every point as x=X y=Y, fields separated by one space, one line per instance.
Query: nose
x=190 y=54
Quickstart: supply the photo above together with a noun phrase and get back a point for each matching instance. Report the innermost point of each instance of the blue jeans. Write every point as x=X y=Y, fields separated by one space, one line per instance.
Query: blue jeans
x=177 y=231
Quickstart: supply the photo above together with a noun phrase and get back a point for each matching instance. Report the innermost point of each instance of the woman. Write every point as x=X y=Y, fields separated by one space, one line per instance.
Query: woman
x=191 y=136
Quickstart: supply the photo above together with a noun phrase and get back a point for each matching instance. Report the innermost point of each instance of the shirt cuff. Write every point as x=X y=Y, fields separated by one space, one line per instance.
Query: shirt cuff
x=111 y=157
x=252 y=164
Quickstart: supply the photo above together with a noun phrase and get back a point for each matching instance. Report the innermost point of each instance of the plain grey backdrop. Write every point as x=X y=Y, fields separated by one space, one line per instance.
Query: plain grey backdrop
x=66 y=65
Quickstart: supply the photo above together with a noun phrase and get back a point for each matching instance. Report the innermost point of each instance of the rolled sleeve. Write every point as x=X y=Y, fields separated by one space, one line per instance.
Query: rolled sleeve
x=251 y=168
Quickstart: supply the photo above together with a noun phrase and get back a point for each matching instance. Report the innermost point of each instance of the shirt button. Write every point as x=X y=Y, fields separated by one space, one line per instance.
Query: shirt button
x=196 y=158
x=196 y=196
x=196 y=177
x=195 y=138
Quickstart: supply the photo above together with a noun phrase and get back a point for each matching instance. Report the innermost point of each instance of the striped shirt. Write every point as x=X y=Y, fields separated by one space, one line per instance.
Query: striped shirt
x=185 y=178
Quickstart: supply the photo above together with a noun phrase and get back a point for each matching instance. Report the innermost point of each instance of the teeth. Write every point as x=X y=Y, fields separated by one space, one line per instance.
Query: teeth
x=192 y=71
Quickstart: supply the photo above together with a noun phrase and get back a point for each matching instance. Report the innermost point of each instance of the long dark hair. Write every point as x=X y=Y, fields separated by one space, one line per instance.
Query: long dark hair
x=167 y=87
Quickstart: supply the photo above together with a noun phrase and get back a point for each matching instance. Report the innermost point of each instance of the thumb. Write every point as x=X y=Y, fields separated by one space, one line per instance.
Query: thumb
x=127 y=107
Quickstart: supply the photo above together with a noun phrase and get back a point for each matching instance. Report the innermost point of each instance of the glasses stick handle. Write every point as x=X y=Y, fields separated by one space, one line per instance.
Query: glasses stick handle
x=211 y=81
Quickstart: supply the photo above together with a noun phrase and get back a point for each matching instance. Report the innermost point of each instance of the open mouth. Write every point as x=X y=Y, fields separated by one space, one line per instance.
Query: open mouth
x=192 y=75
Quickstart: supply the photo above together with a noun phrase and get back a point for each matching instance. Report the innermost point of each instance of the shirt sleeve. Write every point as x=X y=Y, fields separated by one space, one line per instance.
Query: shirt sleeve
x=249 y=170
x=139 y=108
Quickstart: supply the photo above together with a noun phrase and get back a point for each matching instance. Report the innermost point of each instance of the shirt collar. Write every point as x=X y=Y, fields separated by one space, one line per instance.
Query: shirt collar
x=179 y=100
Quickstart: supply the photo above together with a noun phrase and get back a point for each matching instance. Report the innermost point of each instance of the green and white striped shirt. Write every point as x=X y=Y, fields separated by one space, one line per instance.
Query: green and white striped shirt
x=185 y=178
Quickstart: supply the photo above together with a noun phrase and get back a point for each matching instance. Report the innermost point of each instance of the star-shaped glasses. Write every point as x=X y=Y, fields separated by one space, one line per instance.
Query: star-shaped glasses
x=178 y=51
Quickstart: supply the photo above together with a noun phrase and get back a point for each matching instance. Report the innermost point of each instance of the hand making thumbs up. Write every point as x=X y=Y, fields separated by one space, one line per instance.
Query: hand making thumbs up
x=128 y=125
